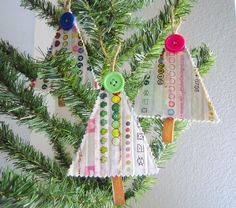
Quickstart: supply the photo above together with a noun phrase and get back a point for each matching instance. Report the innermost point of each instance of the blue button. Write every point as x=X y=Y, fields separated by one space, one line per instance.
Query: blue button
x=67 y=21
x=171 y=112
x=80 y=64
x=81 y=50
x=80 y=58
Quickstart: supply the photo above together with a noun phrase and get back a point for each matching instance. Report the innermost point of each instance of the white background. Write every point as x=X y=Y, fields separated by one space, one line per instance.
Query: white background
x=202 y=173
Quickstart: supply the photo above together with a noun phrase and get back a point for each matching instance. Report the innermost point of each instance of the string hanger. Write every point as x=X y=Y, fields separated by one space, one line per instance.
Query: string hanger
x=112 y=60
x=67 y=5
x=174 y=27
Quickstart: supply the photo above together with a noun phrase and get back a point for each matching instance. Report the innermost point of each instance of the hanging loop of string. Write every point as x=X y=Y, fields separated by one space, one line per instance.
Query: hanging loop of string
x=174 y=27
x=172 y=20
x=111 y=61
x=67 y=4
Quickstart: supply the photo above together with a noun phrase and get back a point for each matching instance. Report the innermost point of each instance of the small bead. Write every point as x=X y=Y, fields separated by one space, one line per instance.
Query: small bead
x=115 y=124
x=115 y=133
x=103 y=131
x=103 y=150
x=116 y=116
x=103 y=113
x=103 y=140
x=115 y=107
x=103 y=104
x=116 y=141
x=103 y=95
x=103 y=122
x=103 y=159
x=116 y=99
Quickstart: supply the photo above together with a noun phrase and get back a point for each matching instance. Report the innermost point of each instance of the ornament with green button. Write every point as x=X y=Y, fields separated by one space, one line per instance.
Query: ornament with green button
x=114 y=144
x=114 y=82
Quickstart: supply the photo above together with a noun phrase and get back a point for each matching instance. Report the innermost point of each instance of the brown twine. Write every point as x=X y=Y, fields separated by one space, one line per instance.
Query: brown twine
x=174 y=27
x=112 y=61
x=67 y=4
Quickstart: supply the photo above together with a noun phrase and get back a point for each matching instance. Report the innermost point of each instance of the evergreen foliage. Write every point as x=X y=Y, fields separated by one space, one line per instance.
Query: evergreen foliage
x=40 y=181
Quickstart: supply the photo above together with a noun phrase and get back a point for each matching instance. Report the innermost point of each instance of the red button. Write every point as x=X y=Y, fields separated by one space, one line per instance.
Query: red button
x=175 y=43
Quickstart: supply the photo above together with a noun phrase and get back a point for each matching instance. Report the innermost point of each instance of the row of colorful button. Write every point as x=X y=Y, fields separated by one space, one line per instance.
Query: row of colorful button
x=128 y=148
x=103 y=131
x=116 y=119
x=66 y=36
x=65 y=44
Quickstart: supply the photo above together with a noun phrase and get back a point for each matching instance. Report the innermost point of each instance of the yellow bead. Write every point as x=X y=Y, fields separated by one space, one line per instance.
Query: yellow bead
x=115 y=99
x=65 y=37
x=74 y=35
x=115 y=133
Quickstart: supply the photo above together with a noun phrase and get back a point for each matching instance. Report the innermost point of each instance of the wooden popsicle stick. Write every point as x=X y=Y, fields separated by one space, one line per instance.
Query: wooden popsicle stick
x=61 y=102
x=168 y=129
x=118 y=190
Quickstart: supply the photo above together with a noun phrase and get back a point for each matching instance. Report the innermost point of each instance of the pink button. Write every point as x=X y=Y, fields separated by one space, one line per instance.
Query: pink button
x=175 y=43
x=75 y=48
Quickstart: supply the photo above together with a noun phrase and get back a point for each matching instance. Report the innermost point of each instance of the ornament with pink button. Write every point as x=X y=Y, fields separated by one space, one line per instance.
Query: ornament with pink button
x=173 y=89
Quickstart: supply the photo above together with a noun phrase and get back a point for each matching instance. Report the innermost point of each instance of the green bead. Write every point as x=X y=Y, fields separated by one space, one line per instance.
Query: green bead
x=103 y=150
x=103 y=113
x=116 y=141
x=103 y=140
x=103 y=95
x=103 y=131
x=103 y=104
x=103 y=122
x=115 y=124
x=114 y=82
x=116 y=116
x=103 y=159
x=115 y=107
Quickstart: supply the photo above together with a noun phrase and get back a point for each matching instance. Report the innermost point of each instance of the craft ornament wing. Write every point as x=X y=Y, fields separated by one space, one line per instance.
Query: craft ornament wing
x=175 y=89
x=114 y=143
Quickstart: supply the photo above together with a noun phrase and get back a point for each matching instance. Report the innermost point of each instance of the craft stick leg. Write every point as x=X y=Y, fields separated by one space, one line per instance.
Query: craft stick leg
x=118 y=191
x=168 y=129
x=61 y=102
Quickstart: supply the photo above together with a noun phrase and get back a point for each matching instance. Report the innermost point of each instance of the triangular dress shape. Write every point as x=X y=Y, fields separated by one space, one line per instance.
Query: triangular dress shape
x=72 y=41
x=175 y=89
x=114 y=143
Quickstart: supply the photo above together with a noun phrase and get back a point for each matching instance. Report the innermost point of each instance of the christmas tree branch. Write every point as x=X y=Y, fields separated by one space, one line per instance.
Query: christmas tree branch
x=32 y=112
x=140 y=185
x=20 y=61
x=62 y=72
x=204 y=58
x=25 y=156
x=45 y=10
x=21 y=190
x=135 y=5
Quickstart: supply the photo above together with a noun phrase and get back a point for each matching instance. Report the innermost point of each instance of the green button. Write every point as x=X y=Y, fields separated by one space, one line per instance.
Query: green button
x=103 y=131
x=103 y=159
x=114 y=82
x=103 y=95
x=103 y=104
x=116 y=116
x=103 y=150
x=115 y=124
x=103 y=140
x=103 y=113
x=103 y=122
x=115 y=107
x=116 y=141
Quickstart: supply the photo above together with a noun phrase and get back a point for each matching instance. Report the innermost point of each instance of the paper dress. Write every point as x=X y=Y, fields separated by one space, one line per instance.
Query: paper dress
x=114 y=143
x=68 y=37
x=72 y=41
x=175 y=89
